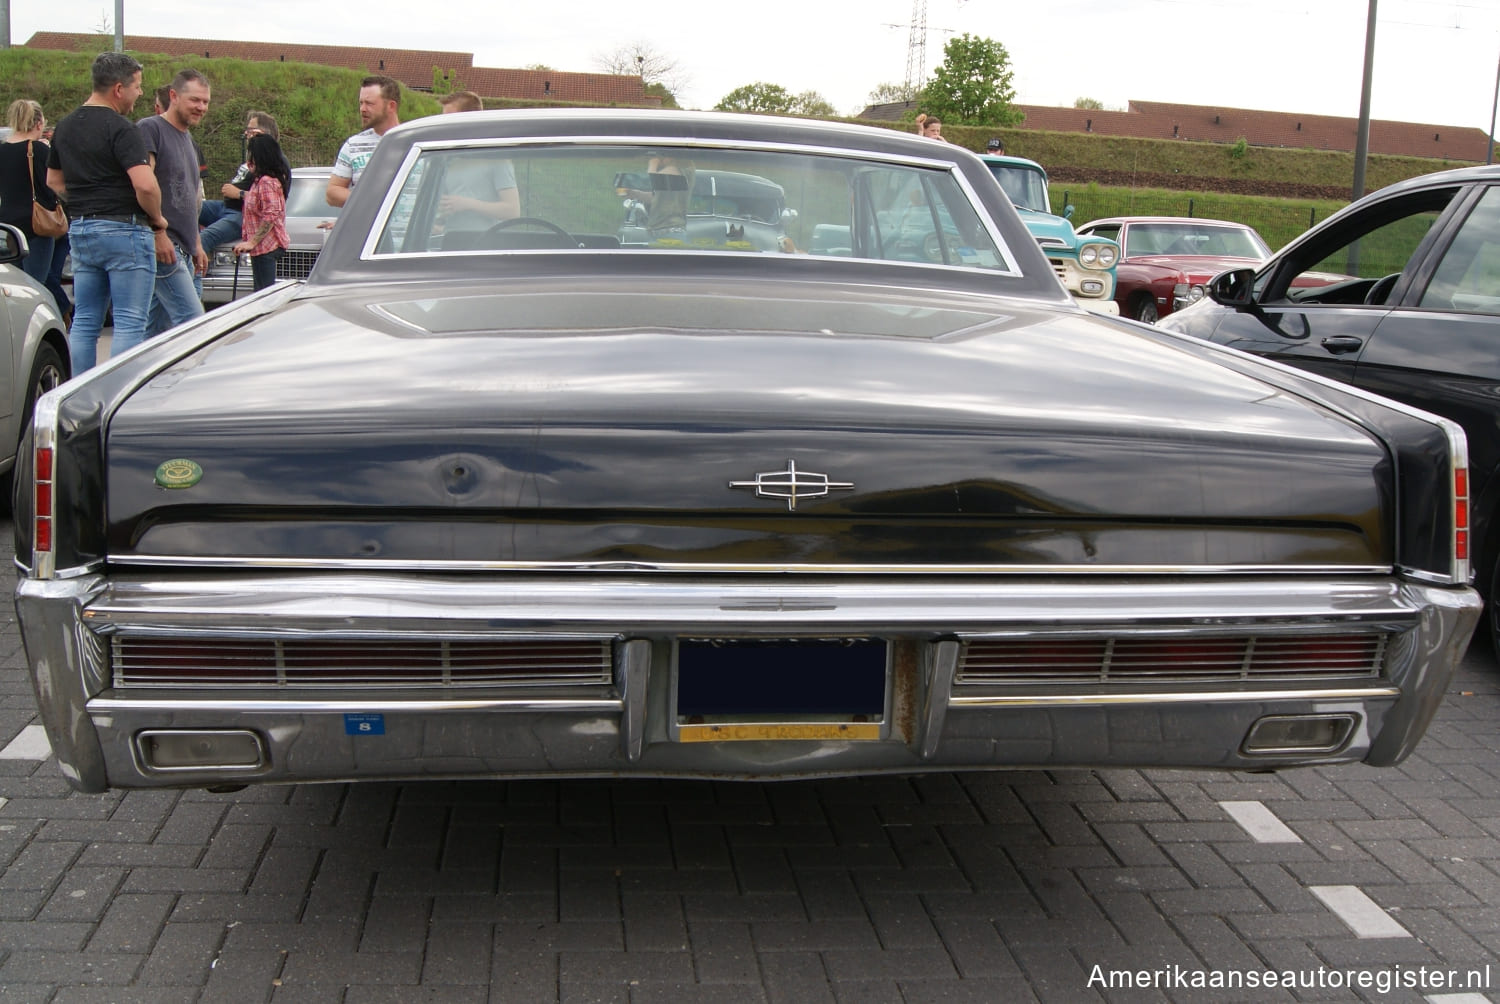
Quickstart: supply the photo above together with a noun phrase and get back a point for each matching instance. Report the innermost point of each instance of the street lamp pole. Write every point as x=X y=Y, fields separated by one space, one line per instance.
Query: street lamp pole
x=119 y=25
x=1489 y=157
x=1362 y=138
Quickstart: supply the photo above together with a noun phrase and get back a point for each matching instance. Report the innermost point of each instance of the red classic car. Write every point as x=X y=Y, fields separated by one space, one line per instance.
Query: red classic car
x=1167 y=259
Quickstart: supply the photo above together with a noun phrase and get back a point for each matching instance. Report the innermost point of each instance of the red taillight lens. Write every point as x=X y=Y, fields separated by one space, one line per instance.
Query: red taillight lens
x=42 y=500
x=1461 y=513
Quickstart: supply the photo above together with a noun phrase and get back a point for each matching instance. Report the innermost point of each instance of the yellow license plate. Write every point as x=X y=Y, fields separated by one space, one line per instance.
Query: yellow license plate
x=745 y=731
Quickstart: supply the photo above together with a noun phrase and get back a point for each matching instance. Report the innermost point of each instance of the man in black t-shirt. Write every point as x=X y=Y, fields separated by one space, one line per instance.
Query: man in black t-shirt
x=98 y=165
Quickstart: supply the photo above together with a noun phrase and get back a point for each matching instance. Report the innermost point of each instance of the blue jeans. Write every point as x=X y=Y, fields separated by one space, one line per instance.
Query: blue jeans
x=61 y=248
x=176 y=298
x=263 y=268
x=220 y=225
x=38 y=260
x=114 y=267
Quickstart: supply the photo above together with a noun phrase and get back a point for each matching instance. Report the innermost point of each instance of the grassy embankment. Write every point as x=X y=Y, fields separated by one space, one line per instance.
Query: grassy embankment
x=1216 y=172
x=316 y=108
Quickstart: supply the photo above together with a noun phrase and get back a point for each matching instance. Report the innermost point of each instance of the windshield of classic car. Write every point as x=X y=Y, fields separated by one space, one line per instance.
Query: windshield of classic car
x=1026 y=187
x=1190 y=239
x=529 y=199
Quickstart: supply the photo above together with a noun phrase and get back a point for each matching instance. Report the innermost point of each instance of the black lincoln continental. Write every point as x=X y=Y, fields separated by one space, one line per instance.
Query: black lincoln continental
x=498 y=494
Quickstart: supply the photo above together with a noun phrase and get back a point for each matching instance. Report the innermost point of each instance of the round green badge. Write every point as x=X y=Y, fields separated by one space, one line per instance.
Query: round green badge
x=179 y=474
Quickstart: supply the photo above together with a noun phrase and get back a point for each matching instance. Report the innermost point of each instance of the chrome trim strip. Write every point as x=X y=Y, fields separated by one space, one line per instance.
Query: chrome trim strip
x=715 y=568
x=1245 y=696
x=944 y=664
x=105 y=705
x=634 y=675
x=345 y=604
x=44 y=437
x=215 y=705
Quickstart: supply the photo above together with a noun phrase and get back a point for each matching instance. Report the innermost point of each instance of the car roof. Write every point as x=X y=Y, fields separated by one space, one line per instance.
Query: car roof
x=1167 y=219
x=1000 y=158
x=665 y=127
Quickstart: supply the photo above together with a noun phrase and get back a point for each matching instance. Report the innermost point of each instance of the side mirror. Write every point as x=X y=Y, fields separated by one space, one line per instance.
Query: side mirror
x=13 y=246
x=1235 y=288
x=1068 y=211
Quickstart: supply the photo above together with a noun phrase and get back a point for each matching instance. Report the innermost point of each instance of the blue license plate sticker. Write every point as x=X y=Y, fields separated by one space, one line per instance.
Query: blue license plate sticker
x=364 y=725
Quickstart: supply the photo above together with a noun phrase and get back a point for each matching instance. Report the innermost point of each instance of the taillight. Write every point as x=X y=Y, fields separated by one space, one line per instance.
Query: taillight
x=1461 y=514
x=41 y=533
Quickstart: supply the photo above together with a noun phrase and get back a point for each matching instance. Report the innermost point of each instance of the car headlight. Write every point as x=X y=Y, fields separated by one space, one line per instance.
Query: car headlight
x=1096 y=256
x=1184 y=295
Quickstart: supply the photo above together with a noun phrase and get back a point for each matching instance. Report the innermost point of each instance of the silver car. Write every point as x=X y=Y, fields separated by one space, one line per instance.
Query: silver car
x=308 y=220
x=35 y=341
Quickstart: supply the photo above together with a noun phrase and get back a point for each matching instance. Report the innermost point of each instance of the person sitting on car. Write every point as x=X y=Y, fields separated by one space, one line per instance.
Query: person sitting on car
x=222 y=219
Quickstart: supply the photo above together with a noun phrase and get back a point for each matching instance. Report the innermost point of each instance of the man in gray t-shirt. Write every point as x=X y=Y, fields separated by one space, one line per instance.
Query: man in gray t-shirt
x=178 y=251
x=479 y=189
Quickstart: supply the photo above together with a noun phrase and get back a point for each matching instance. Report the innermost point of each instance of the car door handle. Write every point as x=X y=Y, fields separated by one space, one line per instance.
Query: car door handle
x=1340 y=344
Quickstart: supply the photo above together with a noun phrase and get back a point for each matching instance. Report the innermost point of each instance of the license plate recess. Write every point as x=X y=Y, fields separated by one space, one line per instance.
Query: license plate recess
x=749 y=689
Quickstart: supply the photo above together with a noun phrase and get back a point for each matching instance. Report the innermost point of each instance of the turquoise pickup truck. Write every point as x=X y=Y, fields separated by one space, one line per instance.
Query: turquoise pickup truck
x=1085 y=265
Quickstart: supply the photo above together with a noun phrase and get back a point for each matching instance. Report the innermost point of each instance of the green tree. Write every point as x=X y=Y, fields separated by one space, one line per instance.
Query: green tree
x=1089 y=104
x=973 y=85
x=889 y=93
x=668 y=99
x=761 y=98
x=811 y=104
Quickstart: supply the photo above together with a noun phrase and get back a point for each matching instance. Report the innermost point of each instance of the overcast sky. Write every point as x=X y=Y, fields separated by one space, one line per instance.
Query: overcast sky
x=1435 y=60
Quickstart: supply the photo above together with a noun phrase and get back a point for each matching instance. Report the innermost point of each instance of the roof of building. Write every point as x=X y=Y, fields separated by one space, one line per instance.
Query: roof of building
x=412 y=67
x=1217 y=124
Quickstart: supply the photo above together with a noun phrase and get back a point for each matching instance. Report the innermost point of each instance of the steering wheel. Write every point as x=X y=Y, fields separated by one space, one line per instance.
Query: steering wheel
x=1381 y=288
x=537 y=221
x=933 y=245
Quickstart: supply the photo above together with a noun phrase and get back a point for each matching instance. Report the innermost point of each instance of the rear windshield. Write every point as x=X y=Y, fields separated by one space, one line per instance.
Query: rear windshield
x=491 y=198
x=309 y=197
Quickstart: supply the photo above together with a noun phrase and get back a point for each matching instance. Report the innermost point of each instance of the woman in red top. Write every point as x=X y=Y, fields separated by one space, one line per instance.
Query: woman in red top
x=263 y=230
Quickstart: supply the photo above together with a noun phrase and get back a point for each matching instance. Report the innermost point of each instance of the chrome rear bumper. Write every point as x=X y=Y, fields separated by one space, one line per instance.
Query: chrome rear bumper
x=629 y=726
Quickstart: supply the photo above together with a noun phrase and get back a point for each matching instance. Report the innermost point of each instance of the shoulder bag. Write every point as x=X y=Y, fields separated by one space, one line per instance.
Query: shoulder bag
x=44 y=222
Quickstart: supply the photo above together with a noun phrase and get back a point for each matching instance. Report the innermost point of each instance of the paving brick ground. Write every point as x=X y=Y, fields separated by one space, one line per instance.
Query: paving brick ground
x=978 y=887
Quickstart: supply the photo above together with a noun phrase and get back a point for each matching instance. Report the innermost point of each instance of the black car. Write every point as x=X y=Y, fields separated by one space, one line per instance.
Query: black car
x=546 y=502
x=1399 y=294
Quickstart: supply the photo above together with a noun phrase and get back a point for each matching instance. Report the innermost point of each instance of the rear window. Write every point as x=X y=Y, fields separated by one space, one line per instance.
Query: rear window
x=485 y=199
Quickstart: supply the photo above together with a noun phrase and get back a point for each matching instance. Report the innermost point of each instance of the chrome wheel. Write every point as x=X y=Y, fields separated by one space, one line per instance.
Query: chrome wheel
x=1145 y=310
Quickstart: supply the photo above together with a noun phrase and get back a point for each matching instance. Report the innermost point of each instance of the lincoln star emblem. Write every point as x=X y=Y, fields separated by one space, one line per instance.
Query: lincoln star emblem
x=792 y=484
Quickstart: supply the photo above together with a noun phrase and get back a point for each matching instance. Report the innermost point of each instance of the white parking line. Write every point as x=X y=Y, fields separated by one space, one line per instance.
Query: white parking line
x=1260 y=822
x=1363 y=915
x=1457 y=999
x=31 y=744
